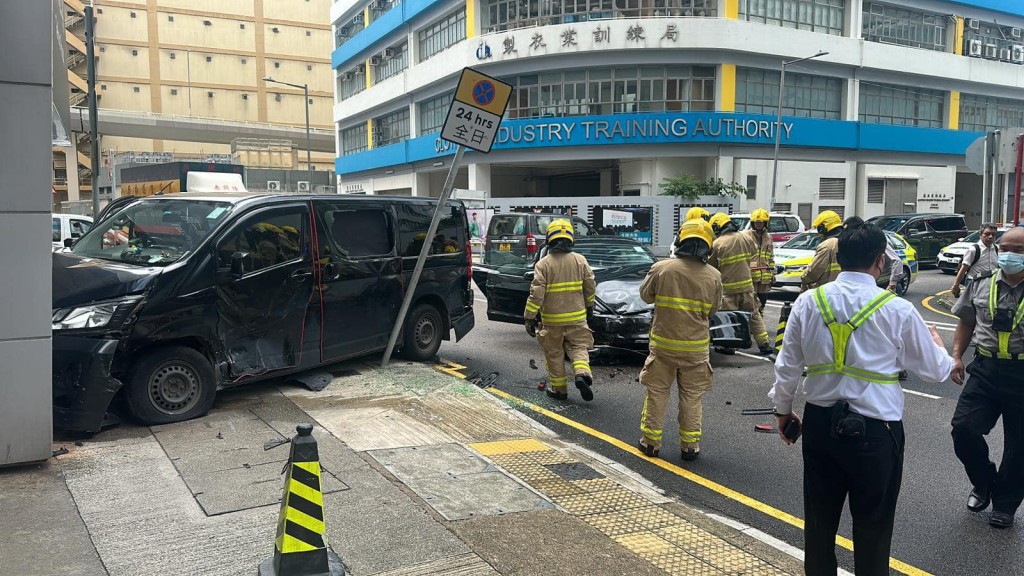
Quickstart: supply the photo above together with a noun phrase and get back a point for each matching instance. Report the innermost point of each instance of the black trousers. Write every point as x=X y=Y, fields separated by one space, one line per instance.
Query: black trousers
x=994 y=389
x=870 y=471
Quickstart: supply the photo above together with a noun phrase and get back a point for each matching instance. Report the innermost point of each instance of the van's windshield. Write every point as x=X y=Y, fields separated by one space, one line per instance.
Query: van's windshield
x=153 y=232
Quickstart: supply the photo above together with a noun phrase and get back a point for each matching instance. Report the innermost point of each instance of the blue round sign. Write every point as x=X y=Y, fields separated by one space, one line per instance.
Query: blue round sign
x=483 y=92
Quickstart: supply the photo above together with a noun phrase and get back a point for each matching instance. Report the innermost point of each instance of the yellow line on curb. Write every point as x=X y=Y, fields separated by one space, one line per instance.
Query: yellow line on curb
x=927 y=304
x=767 y=509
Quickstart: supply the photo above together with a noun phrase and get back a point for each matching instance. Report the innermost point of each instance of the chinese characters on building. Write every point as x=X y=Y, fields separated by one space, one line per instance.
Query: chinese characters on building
x=568 y=37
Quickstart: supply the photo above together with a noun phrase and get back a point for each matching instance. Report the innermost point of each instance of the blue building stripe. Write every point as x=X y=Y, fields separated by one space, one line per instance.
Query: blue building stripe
x=389 y=22
x=1014 y=7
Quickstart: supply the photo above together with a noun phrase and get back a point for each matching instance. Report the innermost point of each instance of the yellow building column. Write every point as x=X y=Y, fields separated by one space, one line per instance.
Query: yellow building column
x=732 y=9
x=958 y=36
x=369 y=134
x=954 y=110
x=727 y=88
x=471 y=18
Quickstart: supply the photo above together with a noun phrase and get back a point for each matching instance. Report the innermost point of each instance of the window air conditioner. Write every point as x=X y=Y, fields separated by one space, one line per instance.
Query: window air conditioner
x=974 y=48
x=343 y=32
x=991 y=51
x=347 y=77
x=1017 y=53
x=973 y=24
x=1004 y=54
x=303 y=185
x=374 y=60
x=388 y=53
x=274 y=185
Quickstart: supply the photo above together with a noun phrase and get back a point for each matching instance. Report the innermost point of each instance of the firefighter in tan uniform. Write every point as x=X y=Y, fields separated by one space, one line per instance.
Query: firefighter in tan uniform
x=685 y=292
x=562 y=293
x=762 y=265
x=824 y=268
x=731 y=254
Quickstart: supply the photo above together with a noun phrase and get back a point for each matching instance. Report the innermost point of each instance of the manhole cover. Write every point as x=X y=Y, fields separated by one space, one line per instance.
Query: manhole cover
x=574 y=471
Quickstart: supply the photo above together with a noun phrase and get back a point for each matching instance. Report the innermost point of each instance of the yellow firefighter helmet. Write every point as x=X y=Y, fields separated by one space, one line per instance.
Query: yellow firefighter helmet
x=697 y=212
x=697 y=228
x=759 y=215
x=718 y=221
x=826 y=222
x=560 y=228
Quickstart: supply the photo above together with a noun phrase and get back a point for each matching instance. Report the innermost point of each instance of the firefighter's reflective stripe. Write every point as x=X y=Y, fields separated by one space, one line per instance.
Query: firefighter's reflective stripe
x=532 y=307
x=557 y=381
x=835 y=267
x=680 y=345
x=682 y=304
x=733 y=287
x=564 y=287
x=1004 y=337
x=689 y=437
x=564 y=318
x=581 y=365
x=841 y=340
x=741 y=257
x=591 y=298
x=649 y=433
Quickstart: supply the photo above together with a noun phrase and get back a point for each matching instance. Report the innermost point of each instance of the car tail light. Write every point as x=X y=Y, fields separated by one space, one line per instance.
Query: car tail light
x=469 y=261
x=531 y=244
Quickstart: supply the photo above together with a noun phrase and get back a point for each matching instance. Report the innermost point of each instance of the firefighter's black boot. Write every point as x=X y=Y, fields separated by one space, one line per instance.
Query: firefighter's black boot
x=583 y=382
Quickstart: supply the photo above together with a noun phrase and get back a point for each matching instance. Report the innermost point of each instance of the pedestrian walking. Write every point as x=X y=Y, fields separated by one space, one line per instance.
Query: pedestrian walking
x=685 y=292
x=980 y=260
x=562 y=294
x=824 y=267
x=852 y=338
x=762 y=265
x=731 y=254
x=990 y=311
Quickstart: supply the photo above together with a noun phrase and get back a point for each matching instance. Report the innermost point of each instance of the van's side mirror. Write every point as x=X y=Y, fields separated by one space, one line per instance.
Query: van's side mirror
x=528 y=276
x=913 y=231
x=961 y=239
x=69 y=242
x=238 y=264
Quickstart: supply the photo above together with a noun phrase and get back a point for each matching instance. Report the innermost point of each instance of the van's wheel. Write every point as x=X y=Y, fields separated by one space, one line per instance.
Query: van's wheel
x=171 y=385
x=424 y=331
x=904 y=284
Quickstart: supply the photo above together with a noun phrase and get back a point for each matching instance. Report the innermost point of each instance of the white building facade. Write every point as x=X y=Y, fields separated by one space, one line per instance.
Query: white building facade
x=610 y=97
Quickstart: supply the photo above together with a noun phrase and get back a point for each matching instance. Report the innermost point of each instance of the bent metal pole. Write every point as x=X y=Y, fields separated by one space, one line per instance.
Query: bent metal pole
x=410 y=290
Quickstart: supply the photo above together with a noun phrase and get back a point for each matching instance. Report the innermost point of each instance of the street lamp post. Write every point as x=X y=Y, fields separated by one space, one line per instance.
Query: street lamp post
x=778 y=124
x=305 y=100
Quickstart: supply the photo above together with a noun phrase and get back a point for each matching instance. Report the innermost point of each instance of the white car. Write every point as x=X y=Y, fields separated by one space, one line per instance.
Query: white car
x=951 y=256
x=782 y=227
x=69 y=226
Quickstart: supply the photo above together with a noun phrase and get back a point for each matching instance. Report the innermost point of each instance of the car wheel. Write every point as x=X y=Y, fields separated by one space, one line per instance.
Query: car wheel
x=172 y=384
x=424 y=331
x=904 y=284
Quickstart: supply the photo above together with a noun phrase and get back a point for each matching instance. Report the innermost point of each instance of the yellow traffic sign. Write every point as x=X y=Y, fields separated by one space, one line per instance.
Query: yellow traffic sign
x=483 y=92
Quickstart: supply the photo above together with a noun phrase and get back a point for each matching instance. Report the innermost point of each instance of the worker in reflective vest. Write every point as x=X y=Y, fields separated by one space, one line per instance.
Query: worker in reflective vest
x=685 y=292
x=731 y=254
x=762 y=264
x=825 y=266
x=852 y=338
x=562 y=294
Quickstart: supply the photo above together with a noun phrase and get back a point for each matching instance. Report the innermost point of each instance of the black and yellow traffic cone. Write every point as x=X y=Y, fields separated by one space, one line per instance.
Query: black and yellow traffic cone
x=301 y=545
x=781 y=332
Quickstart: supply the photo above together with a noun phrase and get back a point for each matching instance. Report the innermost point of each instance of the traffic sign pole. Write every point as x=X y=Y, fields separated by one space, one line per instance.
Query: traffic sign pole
x=1016 y=184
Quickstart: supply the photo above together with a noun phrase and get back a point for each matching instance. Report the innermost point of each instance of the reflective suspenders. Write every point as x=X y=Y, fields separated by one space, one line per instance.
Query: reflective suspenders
x=1004 y=337
x=841 y=340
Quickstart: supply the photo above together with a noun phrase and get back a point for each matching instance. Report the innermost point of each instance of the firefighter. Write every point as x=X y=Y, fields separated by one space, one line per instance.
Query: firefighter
x=562 y=293
x=824 y=268
x=697 y=212
x=762 y=265
x=685 y=292
x=731 y=254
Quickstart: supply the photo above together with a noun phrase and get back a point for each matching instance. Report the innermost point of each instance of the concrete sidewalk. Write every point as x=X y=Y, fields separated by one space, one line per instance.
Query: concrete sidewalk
x=423 y=474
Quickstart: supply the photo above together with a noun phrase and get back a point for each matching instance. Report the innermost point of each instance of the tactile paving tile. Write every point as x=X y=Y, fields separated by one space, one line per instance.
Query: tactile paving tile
x=681 y=563
x=574 y=471
x=510 y=447
x=596 y=485
x=622 y=522
x=556 y=488
x=602 y=502
x=711 y=549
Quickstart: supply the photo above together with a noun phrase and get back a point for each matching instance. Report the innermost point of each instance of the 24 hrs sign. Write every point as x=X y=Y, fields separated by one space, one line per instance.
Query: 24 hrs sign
x=476 y=110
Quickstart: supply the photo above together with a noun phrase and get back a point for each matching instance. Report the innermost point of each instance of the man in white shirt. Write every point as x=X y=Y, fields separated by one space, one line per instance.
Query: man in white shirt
x=853 y=338
x=981 y=259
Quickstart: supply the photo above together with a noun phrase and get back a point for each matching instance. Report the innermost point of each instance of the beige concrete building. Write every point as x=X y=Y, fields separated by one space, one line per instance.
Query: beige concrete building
x=201 y=59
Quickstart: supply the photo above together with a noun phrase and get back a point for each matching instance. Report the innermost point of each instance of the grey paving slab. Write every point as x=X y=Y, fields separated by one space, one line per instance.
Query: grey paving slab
x=42 y=531
x=558 y=544
x=242 y=488
x=430 y=461
x=376 y=527
x=461 y=565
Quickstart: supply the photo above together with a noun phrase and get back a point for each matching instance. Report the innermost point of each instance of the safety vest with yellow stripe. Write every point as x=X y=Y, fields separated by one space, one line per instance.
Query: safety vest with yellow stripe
x=841 y=340
x=1003 y=353
x=731 y=254
x=762 y=263
x=563 y=288
x=685 y=292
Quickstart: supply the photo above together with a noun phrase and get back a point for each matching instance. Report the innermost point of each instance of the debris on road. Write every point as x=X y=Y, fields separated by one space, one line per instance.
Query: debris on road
x=59 y=452
x=533 y=363
x=315 y=381
x=220 y=436
x=275 y=442
x=764 y=428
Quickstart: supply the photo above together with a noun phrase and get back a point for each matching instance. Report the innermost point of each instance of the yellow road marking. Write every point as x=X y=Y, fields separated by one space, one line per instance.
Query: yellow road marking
x=767 y=509
x=927 y=304
x=451 y=368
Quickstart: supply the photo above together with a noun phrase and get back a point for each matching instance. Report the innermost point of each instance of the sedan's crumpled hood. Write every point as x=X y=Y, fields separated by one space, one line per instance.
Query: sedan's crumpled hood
x=619 y=289
x=78 y=280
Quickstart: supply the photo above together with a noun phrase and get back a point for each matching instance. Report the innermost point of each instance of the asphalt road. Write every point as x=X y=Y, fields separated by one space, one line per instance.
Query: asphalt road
x=934 y=531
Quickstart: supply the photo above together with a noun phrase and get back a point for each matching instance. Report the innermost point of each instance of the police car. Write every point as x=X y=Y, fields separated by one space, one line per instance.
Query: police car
x=795 y=255
x=951 y=256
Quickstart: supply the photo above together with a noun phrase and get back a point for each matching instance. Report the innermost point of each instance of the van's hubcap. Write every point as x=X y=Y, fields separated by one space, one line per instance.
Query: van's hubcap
x=425 y=332
x=174 y=389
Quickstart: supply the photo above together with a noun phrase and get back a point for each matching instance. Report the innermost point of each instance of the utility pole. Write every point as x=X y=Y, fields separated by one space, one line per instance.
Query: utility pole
x=778 y=123
x=94 y=139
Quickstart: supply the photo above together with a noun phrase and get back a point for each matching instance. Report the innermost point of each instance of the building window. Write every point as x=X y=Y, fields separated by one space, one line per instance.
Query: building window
x=170 y=18
x=831 y=188
x=807 y=96
x=984 y=113
x=840 y=210
x=442 y=34
x=209 y=58
x=990 y=41
x=751 y=187
x=379 y=8
x=432 y=113
x=136 y=89
x=903 y=26
x=343 y=31
x=392 y=61
x=612 y=91
x=241 y=25
x=902 y=105
x=352 y=82
x=174 y=91
x=876 y=191
x=391 y=128
x=511 y=14
x=308 y=33
x=785 y=208
x=353 y=139
x=826 y=16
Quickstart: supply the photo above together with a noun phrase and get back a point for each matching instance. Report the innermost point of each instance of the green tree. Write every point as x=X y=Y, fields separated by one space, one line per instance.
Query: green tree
x=689 y=186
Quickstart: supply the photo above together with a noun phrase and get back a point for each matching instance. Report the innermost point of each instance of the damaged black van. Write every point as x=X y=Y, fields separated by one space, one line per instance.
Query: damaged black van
x=175 y=297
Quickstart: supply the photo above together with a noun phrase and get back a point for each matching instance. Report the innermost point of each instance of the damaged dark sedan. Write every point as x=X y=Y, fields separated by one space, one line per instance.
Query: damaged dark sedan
x=621 y=321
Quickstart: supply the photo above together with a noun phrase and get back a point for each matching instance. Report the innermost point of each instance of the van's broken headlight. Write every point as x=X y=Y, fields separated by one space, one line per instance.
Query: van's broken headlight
x=96 y=315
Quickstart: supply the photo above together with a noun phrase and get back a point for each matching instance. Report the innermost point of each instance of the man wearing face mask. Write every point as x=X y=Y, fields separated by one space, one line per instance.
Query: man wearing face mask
x=853 y=338
x=990 y=310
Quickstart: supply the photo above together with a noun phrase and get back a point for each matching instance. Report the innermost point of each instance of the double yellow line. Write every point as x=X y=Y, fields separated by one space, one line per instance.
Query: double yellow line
x=927 y=303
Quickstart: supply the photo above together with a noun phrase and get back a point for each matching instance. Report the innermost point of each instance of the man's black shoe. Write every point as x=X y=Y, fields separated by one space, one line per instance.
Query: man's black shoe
x=979 y=500
x=903 y=374
x=1000 y=520
x=557 y=395
x=650 y=451
x=583 y=383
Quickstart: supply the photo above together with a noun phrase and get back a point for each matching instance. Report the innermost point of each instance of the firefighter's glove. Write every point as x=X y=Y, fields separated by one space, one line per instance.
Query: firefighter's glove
x=531 y=327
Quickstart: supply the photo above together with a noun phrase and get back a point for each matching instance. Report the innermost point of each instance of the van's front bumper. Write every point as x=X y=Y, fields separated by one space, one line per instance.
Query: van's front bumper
x=82 y=384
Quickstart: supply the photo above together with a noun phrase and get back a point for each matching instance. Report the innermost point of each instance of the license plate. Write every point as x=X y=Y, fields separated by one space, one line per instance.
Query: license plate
x=504 y=247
